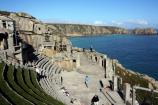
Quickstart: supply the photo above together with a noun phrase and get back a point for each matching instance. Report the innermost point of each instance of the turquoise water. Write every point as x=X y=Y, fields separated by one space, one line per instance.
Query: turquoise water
x=136 y=52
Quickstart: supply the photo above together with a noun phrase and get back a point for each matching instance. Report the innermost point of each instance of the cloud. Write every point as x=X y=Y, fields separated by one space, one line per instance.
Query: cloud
x=131 y=23
x=99 y=23
x=117 y=23
x=68 y=21
x=138 y=22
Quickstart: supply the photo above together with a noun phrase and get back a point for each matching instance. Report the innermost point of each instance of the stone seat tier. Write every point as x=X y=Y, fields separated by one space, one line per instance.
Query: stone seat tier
x=44 y=65
x=52 y=88
x=47 y=65
x=36 y=63
x=51 y=83
x=40 y=62
x=48 y=88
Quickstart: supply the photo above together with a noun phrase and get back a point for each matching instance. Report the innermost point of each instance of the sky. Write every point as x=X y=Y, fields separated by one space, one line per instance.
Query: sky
x=124 y=13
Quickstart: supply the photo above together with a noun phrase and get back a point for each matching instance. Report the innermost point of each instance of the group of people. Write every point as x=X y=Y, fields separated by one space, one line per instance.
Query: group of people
x=73 y=100
x=63 y=89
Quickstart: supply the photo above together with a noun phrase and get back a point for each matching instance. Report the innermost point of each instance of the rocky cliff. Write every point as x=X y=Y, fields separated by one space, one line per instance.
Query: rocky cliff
x=29 y=28
x=82 y=30
x=146 y=31
x=79 y=30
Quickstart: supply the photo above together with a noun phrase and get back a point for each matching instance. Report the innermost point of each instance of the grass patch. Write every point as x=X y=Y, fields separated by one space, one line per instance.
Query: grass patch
x=20 y=87
x=12 y=96
x=33 y=78
x=26 y=94
x=134 y=79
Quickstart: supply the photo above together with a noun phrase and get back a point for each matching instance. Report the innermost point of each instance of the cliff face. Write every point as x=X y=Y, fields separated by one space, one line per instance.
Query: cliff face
x=82 y=30
x=33 y=30
x=147 y=31
x=79 y=30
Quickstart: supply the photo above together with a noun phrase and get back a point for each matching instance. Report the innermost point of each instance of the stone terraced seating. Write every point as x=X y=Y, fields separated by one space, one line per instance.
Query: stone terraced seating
x=50 y=88
x=44 y=64
x=51 y=81
x=20 y=87
x=40 y=61
x=55 y=91
x=47 y=65
x=41 y=64
x=36 y=63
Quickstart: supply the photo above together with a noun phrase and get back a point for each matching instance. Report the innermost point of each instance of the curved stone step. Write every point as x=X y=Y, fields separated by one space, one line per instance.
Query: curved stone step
x=45 y=63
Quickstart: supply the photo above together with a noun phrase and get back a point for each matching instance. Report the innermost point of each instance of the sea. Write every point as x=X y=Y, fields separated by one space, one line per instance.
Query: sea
x=135 y=52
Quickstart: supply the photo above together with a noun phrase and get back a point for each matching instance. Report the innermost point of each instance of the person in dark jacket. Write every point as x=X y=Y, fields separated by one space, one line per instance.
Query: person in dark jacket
x=95 y=100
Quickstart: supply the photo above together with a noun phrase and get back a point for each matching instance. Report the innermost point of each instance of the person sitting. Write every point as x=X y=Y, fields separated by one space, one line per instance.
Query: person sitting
x=95 y=100
x=73 y=100
x=65 y=91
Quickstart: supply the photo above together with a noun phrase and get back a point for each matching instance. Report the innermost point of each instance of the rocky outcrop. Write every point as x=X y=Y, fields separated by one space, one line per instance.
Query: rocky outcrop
x=31 y=30
x=146 y=31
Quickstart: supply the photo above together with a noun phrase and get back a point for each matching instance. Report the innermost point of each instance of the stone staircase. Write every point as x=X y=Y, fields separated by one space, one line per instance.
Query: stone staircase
x=113 y=97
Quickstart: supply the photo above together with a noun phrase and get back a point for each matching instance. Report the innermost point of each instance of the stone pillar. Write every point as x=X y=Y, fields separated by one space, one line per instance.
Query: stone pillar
x=5 y=56
x=113 y=66
x=133 y=96
x=100 y=61
x=119 y=83
x=1 y=24
x=78 y=61
x=69 y=48
x=109 y=70
x=71 y=63
x=126 y=91
x=11 y=42
x=115 y=87
x=93 y=58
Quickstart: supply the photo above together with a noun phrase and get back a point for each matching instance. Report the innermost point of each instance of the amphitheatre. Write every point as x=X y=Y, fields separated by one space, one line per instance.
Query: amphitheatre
x=39 y=66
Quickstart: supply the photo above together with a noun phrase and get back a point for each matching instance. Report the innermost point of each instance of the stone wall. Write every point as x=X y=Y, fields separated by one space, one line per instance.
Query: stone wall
x=103 y=61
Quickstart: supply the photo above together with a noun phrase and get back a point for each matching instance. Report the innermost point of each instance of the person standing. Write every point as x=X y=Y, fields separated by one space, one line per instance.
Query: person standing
x=61 y=80
x=86 y=81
